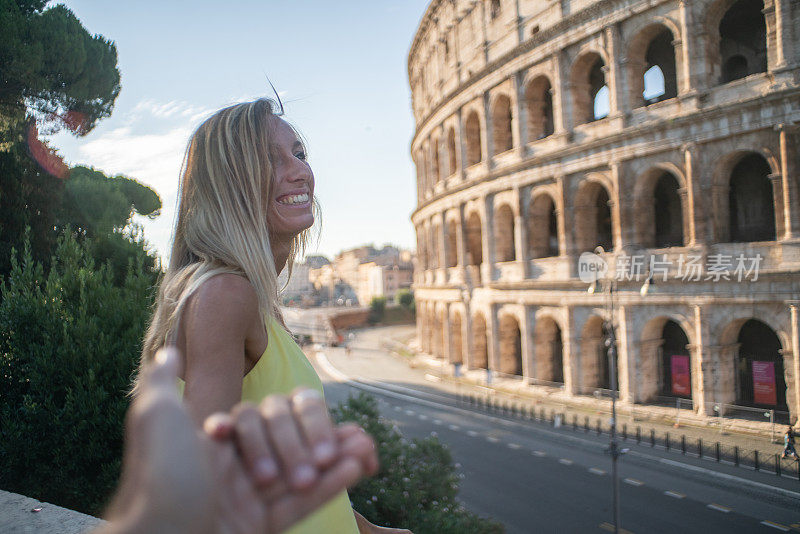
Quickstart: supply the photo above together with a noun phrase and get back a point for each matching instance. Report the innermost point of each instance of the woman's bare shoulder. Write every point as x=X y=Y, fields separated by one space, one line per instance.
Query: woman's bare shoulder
x=227 y=298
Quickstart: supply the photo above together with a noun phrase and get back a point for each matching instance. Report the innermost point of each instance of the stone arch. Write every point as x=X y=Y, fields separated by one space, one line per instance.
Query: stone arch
x=758 y=363
x=510 y=345
x=737 y=45
x=722 y=173
x=451 y=242
x=456 y=345
x=426 y=171
x=422 y=249
x=587 y=79
x=472 y=130
x=542 y=226
x=652 y=48
x=436 y=160
x=548 y=350
x=474 y=235
x=594 y=368
x=452 y=155
x=502 y=137
x=539 y=106
x=480 y=345
x=594 y=216
x=751 y=201
x=659 y=208
x=665 y=359
x=505 y=248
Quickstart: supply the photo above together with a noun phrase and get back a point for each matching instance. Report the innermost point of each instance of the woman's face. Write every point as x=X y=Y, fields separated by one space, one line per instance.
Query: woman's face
x=290 y=204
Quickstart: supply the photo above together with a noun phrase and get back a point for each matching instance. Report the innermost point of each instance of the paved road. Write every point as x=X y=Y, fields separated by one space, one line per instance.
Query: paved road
x=536 y=478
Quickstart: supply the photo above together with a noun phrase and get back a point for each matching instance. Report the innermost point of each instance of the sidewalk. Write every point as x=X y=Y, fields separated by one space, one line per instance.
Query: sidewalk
x=738 y=437
x=23 y=515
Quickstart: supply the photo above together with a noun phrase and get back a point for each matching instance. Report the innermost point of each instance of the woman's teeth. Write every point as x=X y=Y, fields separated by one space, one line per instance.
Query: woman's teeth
x=294 y=199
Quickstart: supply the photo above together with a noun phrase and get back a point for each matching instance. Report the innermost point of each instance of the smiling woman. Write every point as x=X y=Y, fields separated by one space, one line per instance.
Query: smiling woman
x=245 y=205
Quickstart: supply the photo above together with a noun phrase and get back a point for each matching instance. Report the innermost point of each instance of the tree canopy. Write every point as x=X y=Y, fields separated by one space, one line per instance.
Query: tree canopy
x=50 y=66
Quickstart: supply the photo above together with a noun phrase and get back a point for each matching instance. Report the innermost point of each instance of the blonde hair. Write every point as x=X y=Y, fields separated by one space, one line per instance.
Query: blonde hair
x=221 y=224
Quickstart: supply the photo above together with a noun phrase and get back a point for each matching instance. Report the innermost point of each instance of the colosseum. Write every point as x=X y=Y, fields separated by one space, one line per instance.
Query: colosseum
x=659 y=135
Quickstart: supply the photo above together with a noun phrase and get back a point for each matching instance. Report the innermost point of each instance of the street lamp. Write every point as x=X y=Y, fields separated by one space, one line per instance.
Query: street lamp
x=611 y=350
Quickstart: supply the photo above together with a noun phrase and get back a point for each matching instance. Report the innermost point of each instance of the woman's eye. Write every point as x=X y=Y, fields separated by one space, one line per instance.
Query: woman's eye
x=300 y=155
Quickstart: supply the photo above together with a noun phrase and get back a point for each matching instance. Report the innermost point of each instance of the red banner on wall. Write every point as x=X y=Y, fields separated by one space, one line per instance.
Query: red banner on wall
x=681 y=377
x=764 y=391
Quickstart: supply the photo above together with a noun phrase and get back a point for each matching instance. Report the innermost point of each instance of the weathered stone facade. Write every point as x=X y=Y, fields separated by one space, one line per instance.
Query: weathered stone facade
x=540 y=134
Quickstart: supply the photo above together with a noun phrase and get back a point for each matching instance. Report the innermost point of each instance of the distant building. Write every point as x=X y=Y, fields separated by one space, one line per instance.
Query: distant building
x=361 y=273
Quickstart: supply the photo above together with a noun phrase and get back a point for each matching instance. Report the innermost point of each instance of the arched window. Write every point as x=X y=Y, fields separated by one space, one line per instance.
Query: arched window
x=451 y=251
x=501 y=125
x=743 y=40
x=603 y=236
x=480 y=358
x=543 y=228
x=472 y=129
x=593 y=218
x=590 y=94
x=675 y=370
x=751 y=202
x=759 y=367
x=548 y=351
x=667 y=213
x=474 y=240
x=451 y=152
x=436 y=161
x=510 y=346
x=660 y=78
x=504 y=234
x=539 y=105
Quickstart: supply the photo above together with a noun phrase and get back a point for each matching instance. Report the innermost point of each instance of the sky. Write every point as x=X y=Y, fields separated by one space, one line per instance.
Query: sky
x=339 y=67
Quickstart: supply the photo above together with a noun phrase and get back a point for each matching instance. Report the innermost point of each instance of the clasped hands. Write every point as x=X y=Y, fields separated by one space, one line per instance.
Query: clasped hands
x=258 y=469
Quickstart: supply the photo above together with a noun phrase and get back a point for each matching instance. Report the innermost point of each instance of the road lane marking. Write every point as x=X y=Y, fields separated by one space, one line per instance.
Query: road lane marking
x=718 y=508
x=674 y=494
x=423 y=417
x=610 y=528
x=454 y=427
x=437 y=421
x=398 y=409
x=514 y=446
x=564 y=461
x=492 y=439
x=634 y=482
x=540 y=454
x=596 y=471
x=472 y=433
x=410 y=412
x=775 y=525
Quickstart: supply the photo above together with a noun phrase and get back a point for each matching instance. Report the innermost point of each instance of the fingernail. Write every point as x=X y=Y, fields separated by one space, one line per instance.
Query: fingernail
x=303 y=475
x=266 y=469
x=323 y=452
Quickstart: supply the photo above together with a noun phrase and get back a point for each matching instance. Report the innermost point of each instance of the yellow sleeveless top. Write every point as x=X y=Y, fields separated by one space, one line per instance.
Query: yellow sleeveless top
x=281 y=369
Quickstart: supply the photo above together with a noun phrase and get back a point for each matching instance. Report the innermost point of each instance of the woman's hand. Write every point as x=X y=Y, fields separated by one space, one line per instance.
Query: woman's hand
x=296 y=458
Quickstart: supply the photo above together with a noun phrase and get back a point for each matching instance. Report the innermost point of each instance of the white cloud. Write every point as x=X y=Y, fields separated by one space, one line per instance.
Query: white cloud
x=148 y=146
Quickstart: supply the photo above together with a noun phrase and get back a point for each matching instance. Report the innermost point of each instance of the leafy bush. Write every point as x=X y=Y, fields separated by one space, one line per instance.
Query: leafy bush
x=417 y=484
x=405 y=298
x=376 y=309
x=69 y=344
